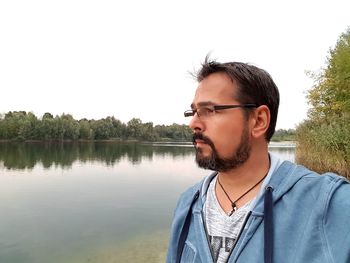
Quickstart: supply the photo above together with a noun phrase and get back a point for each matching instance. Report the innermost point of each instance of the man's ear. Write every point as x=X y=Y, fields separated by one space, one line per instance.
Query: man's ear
x=260 y=121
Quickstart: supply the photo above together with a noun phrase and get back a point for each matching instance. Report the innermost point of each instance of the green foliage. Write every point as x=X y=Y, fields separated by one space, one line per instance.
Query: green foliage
x=174 y=132
x=20 y=126
x=330 y=95
x=283 y=135
x=134 y=128
x=324 y=139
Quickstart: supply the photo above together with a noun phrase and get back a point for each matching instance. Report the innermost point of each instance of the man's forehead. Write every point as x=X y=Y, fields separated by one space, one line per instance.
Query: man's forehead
x=213 y=92
x=216 y=84
x=217 y=78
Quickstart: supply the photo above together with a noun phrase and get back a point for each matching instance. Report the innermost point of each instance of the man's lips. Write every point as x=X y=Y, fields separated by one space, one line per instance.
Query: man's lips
x=198 y=141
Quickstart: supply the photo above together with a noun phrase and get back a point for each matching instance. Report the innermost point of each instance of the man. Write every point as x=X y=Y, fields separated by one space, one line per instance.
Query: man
x=254 y=207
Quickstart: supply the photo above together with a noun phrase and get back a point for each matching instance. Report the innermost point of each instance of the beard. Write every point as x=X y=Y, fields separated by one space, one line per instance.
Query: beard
x=217 y=163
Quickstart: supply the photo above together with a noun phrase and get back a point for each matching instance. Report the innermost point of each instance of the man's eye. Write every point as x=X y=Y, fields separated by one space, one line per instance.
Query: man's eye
x=207 y=111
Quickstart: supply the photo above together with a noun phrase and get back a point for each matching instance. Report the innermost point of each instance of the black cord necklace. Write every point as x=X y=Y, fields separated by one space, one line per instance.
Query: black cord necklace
x=233 y=203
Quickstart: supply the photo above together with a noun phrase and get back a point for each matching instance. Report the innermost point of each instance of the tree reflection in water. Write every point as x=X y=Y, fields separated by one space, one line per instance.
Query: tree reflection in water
x=64 y=154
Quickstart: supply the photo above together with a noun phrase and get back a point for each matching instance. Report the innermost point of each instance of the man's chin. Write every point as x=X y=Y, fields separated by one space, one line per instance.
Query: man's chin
x=205 y=163
x=204 y=149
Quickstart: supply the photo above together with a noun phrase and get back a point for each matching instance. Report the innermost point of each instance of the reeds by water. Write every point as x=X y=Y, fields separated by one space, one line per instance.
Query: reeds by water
x=324 y=147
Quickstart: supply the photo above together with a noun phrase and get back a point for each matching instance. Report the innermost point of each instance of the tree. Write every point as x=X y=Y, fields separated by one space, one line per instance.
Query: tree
x=134 y=128
x=118 y=128
x=66 y=127
x=324 y=138
x=85 y=132
x=20 y=125
x=46 y=130
x=148 y=133
x=330 y=96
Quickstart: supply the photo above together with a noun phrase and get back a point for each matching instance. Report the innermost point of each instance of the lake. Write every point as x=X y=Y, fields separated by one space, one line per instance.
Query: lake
x=93 y=202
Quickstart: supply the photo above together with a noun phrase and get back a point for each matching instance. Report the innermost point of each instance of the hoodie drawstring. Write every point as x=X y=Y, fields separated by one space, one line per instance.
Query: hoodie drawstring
x=268 y=225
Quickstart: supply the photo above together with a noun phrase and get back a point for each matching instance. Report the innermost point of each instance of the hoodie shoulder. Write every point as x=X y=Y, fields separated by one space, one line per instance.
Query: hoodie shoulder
x=290 y=176
x=187 y=196
x=336 y=218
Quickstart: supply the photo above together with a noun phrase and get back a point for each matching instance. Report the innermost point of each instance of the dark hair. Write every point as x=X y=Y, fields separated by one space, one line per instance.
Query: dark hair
x=255 y=85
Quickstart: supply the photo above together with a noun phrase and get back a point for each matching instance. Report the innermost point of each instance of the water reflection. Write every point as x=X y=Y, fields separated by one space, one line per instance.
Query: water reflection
x=107 y=202
x=27 y=155
x=285 y=153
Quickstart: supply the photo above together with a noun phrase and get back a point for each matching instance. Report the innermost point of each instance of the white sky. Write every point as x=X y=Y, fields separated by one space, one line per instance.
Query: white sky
x=95 y=59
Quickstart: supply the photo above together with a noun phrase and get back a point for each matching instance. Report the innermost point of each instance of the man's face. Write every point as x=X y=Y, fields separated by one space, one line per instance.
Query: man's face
x=221 y=139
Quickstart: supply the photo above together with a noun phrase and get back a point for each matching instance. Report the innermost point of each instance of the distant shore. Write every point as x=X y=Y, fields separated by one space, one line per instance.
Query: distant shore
x=284 y=144
x=291 y=144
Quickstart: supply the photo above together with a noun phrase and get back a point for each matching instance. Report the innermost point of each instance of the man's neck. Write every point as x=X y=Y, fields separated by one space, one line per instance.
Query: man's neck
x=246 y=175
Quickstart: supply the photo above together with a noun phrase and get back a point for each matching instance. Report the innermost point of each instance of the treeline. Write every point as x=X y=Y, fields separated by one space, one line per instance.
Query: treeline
x=283 y=135
x=22 y=126
x=324 y=138
x=25 y=126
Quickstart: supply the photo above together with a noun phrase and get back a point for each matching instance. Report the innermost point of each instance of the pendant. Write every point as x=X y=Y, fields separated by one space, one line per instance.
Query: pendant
x=234 y=209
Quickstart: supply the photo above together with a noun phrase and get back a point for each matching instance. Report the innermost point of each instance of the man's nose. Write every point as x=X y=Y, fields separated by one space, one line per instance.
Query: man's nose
x=196 y=123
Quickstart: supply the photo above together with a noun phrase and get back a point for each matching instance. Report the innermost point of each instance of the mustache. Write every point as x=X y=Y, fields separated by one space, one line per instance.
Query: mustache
x=200 y=136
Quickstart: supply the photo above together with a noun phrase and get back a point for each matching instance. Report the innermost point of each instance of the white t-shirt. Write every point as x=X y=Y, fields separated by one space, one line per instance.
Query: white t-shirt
x=222 y=229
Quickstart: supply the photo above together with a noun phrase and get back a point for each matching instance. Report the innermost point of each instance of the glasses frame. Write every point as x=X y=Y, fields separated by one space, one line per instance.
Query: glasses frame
x=191 y=113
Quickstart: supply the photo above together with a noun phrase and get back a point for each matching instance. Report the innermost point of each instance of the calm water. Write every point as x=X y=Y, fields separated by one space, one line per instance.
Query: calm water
x=100 y=202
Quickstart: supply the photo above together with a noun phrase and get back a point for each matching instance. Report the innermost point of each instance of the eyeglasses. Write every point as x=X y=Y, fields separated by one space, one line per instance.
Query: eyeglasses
x=210 y=110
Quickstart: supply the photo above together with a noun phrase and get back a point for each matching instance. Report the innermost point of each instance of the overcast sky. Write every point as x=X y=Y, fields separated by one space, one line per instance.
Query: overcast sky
x=128 y=59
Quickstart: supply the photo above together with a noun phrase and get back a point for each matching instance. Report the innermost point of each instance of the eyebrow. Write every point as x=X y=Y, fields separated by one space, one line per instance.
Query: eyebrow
x=203 y=104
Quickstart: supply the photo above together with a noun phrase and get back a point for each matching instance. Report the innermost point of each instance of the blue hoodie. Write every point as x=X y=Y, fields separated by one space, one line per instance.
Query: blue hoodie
x=301 y=217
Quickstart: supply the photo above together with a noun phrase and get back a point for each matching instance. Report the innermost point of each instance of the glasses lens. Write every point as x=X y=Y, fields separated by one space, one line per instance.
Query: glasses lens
x=205 y=111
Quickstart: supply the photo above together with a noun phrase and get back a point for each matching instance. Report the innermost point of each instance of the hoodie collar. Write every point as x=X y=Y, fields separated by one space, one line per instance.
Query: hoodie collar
x=282 y=180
